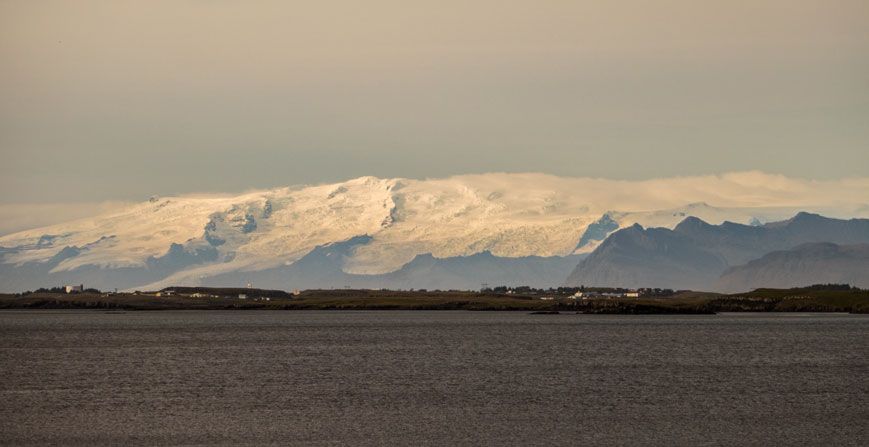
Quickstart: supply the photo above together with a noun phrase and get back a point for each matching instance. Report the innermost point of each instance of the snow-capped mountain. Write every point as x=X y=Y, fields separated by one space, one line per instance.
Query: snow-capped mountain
x=183 y=240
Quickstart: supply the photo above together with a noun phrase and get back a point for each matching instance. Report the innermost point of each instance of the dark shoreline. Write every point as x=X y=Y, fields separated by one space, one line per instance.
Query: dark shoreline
x=687 y=303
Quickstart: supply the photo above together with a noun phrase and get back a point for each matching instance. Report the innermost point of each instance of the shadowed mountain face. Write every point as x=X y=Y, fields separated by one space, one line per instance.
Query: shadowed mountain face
x=323 y=268
x=694 y=254
x=815 y=263
x=597 y=231
x=32 y=275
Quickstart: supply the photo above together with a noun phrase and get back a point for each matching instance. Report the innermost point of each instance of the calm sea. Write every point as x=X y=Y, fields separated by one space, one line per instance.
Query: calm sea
x=90 y=378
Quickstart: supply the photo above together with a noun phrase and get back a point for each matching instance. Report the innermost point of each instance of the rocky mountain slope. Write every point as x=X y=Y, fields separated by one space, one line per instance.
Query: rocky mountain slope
x=814 y=263
x=323 y=268
x=694 y=254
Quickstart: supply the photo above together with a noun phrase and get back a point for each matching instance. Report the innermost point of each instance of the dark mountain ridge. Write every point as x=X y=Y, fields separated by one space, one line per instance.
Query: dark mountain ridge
x=812 y=263
x=323 y=268
x=694 y=254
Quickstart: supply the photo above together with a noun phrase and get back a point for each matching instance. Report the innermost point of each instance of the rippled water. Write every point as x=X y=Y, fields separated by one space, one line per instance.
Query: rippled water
x=431 y=378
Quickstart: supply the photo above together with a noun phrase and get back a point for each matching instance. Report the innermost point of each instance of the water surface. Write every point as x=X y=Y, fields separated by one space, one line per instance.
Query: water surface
x=431 y=378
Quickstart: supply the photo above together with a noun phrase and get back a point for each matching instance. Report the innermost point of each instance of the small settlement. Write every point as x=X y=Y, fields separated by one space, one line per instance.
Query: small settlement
x=606 y=295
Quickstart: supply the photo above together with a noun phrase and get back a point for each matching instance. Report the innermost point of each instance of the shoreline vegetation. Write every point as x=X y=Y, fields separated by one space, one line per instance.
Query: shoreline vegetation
x=811 y=299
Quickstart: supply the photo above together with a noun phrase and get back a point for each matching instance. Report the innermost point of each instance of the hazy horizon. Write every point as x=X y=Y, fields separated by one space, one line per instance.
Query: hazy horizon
x=120 y=100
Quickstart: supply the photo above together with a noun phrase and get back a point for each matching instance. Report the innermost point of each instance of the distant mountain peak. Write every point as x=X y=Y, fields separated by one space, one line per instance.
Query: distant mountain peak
x=691 y=223
x=801 y=217
x=695 y=253
x=809 y=263
x=597 y=231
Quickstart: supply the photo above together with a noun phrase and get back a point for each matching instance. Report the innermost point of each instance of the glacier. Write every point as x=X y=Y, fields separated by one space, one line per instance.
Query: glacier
x=187 y=239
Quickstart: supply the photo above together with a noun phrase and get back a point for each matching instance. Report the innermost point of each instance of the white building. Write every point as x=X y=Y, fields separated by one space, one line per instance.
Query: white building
x=71 y=289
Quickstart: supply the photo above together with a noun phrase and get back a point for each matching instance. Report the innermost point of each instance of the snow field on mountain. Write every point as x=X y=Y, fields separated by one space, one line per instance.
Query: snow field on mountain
x=510 y=215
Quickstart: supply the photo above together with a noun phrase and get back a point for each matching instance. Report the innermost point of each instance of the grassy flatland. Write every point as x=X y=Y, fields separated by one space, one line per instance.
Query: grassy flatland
x=256 y=299
x=795 y=300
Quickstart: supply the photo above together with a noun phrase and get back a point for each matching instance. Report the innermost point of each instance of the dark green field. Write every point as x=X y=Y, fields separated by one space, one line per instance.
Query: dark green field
x=683 y=302
x=311 y=299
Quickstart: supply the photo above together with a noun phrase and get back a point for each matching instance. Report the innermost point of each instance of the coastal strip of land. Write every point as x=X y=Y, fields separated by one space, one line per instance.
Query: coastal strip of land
x=681 y=302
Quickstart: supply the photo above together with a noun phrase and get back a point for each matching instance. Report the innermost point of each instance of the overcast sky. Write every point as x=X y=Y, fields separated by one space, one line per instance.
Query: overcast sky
x=121 y=100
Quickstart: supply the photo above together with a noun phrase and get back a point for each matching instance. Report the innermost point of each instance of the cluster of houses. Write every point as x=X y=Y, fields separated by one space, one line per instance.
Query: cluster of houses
x=597 y=295
x=581 y=295
x=241 y=296
x=605 y=295
x=172 y=293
